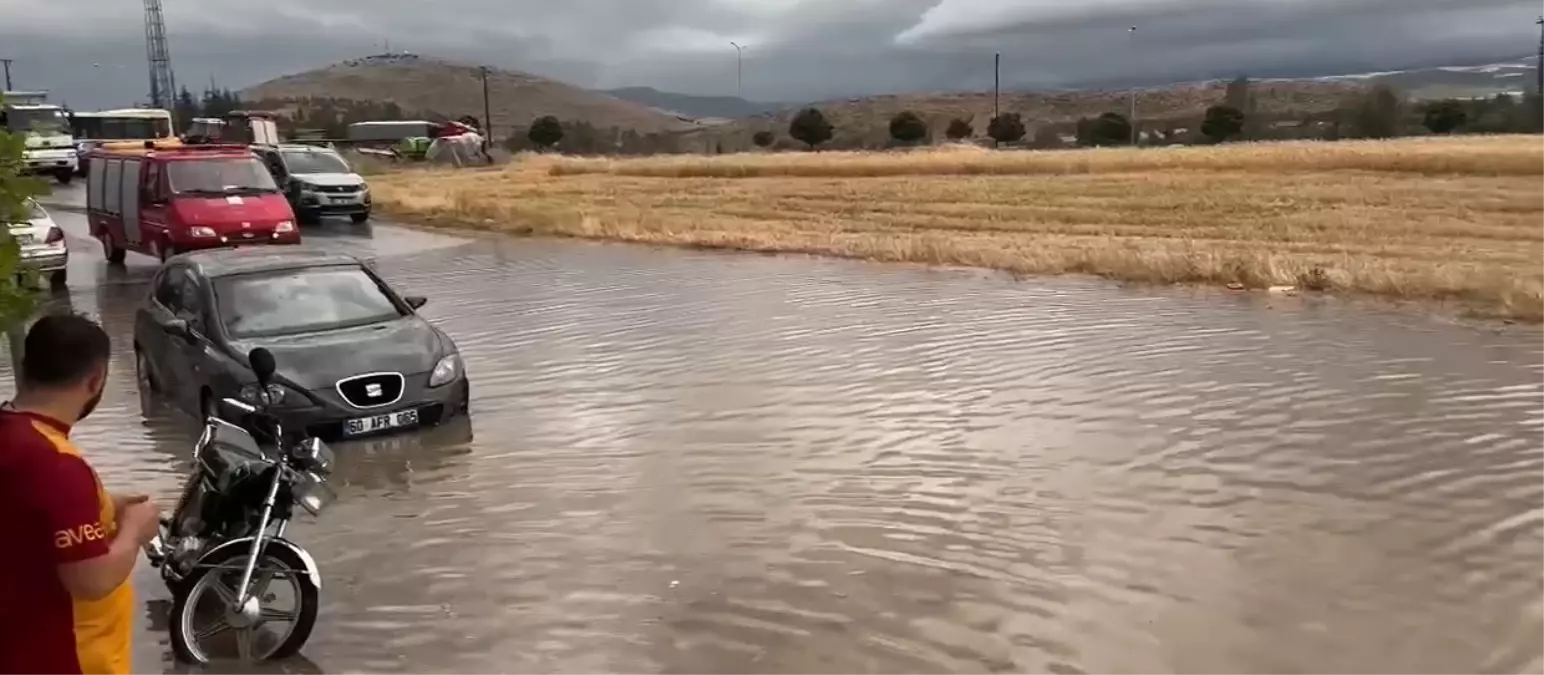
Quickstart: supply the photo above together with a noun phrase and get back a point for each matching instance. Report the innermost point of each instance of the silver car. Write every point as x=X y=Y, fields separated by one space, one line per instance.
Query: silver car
x=42 y=244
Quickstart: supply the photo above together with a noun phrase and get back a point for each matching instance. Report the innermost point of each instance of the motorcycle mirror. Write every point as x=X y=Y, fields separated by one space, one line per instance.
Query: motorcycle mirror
x=263 y=365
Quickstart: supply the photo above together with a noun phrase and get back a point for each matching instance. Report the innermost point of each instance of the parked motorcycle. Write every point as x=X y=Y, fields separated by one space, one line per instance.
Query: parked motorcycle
x=222 y=552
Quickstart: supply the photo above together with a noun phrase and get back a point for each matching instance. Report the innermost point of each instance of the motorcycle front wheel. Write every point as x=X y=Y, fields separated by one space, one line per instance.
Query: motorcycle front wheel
x=206 y=624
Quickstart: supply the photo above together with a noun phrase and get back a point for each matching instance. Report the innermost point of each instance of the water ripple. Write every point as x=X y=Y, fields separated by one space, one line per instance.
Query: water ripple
x=697 y=462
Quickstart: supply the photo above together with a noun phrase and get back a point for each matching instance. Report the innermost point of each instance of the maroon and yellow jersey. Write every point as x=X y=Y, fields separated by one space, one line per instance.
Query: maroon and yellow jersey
x=53 y=511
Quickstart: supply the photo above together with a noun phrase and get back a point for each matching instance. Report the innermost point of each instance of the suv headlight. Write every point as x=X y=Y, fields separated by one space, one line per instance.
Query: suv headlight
x=445 y=371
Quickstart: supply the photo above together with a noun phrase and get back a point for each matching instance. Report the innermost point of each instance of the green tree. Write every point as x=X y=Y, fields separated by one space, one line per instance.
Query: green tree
x=1006 y=128
x=908 y=127
x=545 y=132
x=763 y=139
x=1444 y=117
x=959 y=130
x=1377 y=113
x=185 y=109
x=1104 y=130
x=16 y=298
x=811 y=128
x=1222 y=123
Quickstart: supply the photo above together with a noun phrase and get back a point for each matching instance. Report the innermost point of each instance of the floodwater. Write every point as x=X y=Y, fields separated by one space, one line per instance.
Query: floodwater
x=692 y=462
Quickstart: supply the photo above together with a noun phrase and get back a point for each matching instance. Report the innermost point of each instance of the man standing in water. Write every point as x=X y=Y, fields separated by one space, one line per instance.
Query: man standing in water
x=66 y=605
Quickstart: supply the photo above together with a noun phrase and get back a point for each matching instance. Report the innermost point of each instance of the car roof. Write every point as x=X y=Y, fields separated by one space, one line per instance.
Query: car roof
x=221 y=262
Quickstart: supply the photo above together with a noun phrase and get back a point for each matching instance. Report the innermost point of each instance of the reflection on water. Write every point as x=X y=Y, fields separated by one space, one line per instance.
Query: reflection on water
x=692 y=462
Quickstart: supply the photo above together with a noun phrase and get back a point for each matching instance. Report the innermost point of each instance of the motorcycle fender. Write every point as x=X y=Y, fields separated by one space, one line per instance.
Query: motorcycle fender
x=311 y=570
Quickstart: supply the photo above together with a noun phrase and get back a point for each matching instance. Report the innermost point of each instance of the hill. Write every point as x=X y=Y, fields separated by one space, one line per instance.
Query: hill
x=863 y=122
x=694 y=106
x=425 y=86
x=1508 y=77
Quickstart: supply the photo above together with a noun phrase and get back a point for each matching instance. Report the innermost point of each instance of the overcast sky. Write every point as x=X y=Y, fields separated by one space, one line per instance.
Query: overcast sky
x=91 y=53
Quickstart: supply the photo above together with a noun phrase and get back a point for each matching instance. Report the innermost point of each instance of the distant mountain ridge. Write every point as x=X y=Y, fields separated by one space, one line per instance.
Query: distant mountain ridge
x=693 y=105
x=1512 y=76
x=422 y=85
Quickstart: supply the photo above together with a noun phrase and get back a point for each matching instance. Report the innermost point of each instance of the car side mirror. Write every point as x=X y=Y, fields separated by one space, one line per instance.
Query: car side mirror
x=179 y=328
x=416 y=301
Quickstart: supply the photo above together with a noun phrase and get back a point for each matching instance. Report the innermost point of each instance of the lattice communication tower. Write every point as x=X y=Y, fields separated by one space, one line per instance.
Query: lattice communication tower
x=163 y=87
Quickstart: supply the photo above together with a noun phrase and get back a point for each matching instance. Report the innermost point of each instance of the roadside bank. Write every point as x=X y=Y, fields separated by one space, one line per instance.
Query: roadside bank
x=1454 y=221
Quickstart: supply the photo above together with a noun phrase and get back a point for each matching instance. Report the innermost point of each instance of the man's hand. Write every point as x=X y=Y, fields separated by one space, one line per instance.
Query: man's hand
x=139 y=519
x=120 y=501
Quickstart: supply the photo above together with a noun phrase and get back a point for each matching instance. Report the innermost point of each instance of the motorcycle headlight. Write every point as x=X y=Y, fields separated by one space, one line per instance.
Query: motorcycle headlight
x=312 y=493
x=251 y=393
x=445 y=371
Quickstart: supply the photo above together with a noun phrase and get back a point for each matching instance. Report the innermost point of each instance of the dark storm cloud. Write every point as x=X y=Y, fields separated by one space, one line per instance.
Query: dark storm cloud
x=91 y=52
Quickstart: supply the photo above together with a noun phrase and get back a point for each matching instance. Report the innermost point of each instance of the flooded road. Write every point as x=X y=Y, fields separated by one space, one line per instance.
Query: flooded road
x=691 y=462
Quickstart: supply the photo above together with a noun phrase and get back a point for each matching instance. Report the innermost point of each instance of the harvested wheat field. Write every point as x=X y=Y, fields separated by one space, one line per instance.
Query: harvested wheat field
x=1457 y=220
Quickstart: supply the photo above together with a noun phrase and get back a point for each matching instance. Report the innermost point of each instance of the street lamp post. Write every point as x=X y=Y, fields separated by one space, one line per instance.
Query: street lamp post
x=739 y=69
x=1131 y=43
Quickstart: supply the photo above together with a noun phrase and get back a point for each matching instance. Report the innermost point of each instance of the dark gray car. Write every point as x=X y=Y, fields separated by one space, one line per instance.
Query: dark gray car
x=354 y=358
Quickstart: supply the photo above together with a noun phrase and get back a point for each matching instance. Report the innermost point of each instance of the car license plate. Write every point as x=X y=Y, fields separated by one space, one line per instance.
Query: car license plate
x=23 y=237
x=365 y=425
x=342 y=200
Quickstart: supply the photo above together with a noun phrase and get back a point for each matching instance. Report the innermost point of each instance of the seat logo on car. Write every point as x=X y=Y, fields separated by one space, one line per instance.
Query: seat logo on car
x=373 y=390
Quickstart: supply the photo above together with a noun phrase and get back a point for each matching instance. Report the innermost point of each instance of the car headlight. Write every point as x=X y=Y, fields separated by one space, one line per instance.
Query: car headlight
x=251 y=393
x=445 y=371
x=284 y=226
x=201 y=231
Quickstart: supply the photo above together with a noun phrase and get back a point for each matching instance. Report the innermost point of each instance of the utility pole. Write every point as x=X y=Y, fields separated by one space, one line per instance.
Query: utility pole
x=7 y=64
x=997 y=84
x=1131 y=44
x=1538 y=68
x=487 y=117
x=739 y=70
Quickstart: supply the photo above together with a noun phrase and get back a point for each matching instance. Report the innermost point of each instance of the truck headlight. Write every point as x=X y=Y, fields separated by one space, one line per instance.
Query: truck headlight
x=445 y=371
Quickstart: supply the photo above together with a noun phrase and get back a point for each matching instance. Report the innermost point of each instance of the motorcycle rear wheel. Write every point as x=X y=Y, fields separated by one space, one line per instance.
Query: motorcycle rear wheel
x=218 y=576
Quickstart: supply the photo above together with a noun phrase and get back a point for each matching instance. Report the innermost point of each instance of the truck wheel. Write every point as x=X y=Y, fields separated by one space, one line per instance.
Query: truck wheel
x=359 y=217
x=64 y=176
x=111 y=251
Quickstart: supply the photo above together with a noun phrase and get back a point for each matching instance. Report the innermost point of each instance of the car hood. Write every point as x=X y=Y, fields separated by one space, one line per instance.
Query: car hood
x=408 y=345
x=331 y=179
x=259 y=209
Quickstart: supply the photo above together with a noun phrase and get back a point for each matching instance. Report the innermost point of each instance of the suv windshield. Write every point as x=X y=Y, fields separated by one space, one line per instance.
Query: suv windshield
x=301 y=301
x=219 y=176
x=314 y=161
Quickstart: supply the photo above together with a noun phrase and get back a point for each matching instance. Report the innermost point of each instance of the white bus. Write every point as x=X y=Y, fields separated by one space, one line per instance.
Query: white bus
x=128 y=124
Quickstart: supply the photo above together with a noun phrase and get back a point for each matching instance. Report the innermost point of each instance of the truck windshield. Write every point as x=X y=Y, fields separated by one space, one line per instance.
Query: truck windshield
x=219 y=176
x=313 y=161
x=301 y=301
x=41 y=121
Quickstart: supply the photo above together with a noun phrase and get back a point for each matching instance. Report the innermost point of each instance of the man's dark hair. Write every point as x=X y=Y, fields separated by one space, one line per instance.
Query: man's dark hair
x=62 y=349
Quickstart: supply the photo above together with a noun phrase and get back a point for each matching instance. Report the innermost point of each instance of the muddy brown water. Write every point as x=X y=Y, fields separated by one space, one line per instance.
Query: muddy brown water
x=691 y=462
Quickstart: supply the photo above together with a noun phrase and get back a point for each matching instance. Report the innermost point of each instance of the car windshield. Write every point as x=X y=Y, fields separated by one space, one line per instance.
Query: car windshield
x=41 y=121
x=35 y=211
x=215 y=175
x=313 y=161
x=301 y=301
